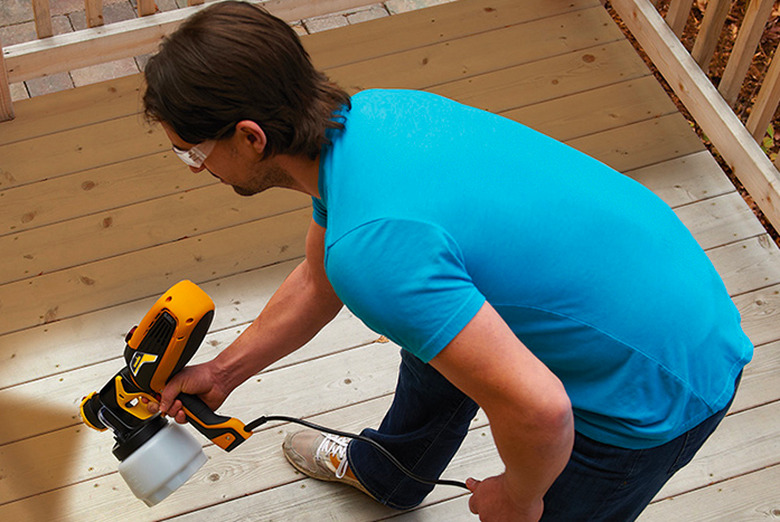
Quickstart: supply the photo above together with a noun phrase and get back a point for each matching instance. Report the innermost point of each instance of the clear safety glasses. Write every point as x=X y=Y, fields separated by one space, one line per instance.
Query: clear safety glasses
x=195 y=156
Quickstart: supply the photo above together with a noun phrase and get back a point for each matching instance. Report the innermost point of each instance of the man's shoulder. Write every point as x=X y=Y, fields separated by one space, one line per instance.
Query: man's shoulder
x=378 y=101
x=397 y=241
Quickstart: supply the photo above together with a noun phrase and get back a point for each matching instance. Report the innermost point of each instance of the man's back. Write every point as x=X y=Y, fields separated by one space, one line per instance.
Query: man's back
x=433 y=207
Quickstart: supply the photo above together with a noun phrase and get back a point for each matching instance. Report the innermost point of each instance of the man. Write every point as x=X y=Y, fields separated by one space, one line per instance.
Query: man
x=518 y=275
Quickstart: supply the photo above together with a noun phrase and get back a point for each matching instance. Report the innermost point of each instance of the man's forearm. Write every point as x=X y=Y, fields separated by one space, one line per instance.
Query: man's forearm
x=535 y=451
x=529 y=411
x=296 y=312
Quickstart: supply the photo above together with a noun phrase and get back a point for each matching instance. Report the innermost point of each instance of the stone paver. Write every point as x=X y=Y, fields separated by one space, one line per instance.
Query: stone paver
x=15 y=11
x=324 y=23
x=49 y=84
x=140 y=61
x=364 y=15
x=25 y=31
x=103 y=71
x=402 y=6
x=63 y=7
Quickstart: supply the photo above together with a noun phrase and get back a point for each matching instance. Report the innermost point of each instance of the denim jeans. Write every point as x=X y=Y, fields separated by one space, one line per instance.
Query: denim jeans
x=429 y=419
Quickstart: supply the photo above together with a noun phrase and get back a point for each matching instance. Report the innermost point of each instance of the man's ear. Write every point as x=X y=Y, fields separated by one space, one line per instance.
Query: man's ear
x=252 y=134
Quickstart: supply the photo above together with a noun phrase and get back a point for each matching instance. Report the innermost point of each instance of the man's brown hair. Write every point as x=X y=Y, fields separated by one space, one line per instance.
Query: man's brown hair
x=234 y=61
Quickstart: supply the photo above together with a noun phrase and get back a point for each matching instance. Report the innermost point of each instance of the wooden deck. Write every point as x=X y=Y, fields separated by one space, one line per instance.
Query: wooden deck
x=97 y=218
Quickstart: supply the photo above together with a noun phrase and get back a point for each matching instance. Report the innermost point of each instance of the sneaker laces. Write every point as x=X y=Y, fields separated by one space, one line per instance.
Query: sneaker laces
x=333 y=445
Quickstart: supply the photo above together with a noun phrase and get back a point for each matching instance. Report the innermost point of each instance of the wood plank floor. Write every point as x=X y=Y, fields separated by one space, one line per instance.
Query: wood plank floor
x=97 y=218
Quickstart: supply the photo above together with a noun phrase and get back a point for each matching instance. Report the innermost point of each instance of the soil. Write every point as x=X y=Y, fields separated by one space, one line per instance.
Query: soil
x=750 y=88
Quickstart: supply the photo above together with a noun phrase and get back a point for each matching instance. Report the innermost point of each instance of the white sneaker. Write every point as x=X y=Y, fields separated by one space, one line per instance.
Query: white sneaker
x=321 y=456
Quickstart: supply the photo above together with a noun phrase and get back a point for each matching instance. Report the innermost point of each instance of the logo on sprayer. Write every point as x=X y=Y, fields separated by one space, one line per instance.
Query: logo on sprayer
x=139 y=359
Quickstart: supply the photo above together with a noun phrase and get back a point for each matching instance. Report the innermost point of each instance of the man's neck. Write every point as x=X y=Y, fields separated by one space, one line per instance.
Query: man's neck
x=304 y=171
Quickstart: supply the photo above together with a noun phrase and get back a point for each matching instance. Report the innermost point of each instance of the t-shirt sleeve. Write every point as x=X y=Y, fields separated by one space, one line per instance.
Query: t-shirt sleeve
x=406 y=280
x=319 y=212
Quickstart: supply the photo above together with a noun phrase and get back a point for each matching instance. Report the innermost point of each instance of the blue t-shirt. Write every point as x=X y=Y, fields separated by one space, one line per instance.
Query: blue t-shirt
x=432 y=207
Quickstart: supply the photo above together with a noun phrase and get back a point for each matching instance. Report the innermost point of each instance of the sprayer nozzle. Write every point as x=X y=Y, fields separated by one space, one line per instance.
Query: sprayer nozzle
x=89 y=409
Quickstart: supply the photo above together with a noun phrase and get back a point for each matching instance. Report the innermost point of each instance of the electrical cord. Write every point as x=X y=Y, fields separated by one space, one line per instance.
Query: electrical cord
x=262 y=420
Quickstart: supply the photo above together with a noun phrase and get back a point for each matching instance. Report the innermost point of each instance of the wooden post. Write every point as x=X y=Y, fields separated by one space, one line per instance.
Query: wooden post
x=94 y=11
x=709 y=34
x=6 y=105
x=712 y=113
x=42 y=14
x=146 y=7
x=677 y=15
x=767 y=100
x=748 y=38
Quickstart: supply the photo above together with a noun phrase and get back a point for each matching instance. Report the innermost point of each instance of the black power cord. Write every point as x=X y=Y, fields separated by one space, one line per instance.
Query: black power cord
x=262 y=420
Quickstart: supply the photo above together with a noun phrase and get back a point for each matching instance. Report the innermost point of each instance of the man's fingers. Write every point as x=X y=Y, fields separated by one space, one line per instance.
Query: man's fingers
x=472 y=484
x=168 y=403
x=176 y=412
x=173 y=409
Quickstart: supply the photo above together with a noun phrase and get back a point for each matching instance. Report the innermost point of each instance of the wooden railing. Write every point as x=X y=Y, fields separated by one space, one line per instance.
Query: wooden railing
x=710 y=107
x=756 y=15
x=93 y=11
x=104 y=43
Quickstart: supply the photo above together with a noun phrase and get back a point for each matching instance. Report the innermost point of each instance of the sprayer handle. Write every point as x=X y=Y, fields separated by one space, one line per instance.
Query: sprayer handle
x=226 y=432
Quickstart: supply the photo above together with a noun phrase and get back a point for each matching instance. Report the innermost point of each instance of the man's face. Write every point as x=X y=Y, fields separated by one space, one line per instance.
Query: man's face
x=236 y=163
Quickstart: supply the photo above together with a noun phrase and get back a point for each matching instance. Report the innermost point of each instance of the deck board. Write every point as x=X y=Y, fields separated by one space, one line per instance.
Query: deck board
x=73 y=108
x=743 y=499
x=470 y=56
x=95 y=145
x=83 y=259
x=129 y=229
x=116 y=280
x=620 y=104
x=95 y=190
x=428 y=27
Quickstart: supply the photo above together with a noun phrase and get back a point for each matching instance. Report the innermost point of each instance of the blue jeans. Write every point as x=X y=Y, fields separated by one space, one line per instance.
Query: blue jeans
x=429 y=419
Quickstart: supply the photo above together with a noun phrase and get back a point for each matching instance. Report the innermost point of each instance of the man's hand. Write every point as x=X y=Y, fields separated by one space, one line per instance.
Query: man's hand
x=529 y=411
x=297 y=311
x=199 y=379
x=493 y=503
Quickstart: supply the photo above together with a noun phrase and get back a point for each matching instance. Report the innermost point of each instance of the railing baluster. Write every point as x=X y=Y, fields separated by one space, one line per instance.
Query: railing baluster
x=767 y=100
x=748 y=38
x=94 y=11
x=709 y=34
x=146 y=7
x=727 y=133
x=6 y=105
x=42 y=14
x=677 y=15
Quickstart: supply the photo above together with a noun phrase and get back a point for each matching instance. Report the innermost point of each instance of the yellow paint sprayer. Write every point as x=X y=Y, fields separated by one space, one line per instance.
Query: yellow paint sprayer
x=157 y=456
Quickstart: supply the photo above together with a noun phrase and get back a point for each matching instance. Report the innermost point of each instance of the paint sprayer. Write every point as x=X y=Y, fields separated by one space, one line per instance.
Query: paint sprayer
x=157 y=456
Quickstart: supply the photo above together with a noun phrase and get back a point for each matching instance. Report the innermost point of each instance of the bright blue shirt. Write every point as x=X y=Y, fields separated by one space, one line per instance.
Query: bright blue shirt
x=432 y=207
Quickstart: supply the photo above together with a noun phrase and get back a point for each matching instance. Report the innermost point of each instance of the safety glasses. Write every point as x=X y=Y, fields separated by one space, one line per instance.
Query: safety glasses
x=195 y=156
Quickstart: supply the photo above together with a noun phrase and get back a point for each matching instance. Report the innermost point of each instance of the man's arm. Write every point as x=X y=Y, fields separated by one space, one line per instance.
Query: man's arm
x=303 y=304
x=530 y=414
